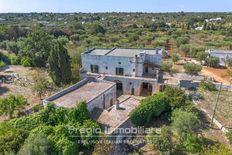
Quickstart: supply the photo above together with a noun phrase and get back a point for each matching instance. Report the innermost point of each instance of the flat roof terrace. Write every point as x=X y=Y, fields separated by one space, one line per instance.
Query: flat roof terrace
x=115 y=117
x=124 y=52
x=85 y=92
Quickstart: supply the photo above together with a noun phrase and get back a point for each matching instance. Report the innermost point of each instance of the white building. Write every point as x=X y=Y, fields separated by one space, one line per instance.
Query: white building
x=96 y=93
x=223 y=55
x=136 y=71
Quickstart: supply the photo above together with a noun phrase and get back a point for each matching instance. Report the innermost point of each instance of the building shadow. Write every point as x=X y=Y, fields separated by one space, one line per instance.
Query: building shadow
x=3 y=90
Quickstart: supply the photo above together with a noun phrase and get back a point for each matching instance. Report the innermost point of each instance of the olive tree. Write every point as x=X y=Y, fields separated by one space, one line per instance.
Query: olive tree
x=11 y=103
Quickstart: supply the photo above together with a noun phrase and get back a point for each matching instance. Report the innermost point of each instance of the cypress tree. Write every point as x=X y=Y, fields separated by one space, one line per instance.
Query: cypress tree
x=59 y=64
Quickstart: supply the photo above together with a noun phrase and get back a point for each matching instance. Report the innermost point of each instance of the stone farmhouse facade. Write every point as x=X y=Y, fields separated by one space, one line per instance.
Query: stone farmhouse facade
x=135 y=71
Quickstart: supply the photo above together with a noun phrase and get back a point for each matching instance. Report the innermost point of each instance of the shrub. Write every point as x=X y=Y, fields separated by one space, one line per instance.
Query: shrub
x=175 y=58
x=162 y=141
x=11 y=138
x=201 y=56
x=80 y=113
x=229 y=62
x=185 y=122
x=166 y=66
x=149 y=108
x=75 y=37
x=229 y=136
x=26 y=62
x=207 y=85
x=217 y=150
x=176 y=96
x=182 y=40
x=193 y=143
x=35 y=144
x=212 y=61
x=2 y=64
x=192 y=68
x=13 y=59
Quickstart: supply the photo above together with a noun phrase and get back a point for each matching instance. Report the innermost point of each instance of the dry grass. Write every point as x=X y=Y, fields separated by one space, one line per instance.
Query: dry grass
x=17 y=89
x=224 y=109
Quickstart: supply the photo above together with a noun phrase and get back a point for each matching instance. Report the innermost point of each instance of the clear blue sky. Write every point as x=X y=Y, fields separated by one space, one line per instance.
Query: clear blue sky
x=115 y=5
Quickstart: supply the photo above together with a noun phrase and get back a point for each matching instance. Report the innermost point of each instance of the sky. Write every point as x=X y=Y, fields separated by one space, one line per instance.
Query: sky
x=62 y=6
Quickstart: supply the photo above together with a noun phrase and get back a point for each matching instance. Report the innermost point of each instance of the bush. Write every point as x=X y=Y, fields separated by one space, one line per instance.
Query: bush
x=166 y=66
x=175 y=58
x=12 y=47
x=212 y=61
x=176 y=96
x=162 y=141
x=182 y=40
x=193 y=143
x=192 y=68
x=80 y=113
x=49 y=130
x=2 y=64
x=36 y=144
x=26 y=62
x=207 y=85
x=218 y=150
x=75 y=37
x=185 y=122
x=11 y=138
x=229 y=136
x=149 y=108
x=229 y=62
x=13 y=59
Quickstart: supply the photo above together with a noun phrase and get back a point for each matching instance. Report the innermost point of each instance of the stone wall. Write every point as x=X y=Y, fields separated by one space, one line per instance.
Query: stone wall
x=104 y=100
x=108 y=64
x=65 y=91
x=224 y=87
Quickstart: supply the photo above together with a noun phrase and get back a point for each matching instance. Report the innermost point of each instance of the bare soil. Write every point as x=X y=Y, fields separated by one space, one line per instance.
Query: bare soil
x=219 y=74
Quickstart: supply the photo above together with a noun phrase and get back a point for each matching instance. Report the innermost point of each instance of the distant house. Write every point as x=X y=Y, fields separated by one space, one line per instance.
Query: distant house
x=213 y=19
x=199 y=28
x=223 y=55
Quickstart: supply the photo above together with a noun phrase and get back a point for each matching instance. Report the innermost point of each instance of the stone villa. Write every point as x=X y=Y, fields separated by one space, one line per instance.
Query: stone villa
x=107 y=74
x=135 y=71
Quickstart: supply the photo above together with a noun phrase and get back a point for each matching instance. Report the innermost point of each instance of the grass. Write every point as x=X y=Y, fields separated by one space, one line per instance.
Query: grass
x=224 y=109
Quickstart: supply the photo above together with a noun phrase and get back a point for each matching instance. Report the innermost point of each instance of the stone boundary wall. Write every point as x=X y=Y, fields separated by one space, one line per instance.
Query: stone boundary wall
x=65 y=91
x=216 y=122
x=224 y=87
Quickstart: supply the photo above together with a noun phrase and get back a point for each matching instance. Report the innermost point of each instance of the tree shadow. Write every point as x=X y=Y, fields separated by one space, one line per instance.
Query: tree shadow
x=2 y=69
x=4 y=90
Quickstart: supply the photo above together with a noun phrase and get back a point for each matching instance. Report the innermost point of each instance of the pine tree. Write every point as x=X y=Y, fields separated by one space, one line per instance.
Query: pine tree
x=59 y=64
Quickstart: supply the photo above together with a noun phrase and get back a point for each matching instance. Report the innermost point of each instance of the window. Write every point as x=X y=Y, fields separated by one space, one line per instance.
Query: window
x=133 y=70
x=119 y=71
x=106 y=67
x=119 y=62
x=146 y=69
x=94 y=68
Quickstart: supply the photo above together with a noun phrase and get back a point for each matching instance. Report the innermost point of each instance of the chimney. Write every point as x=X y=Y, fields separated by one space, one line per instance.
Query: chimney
x=117 y=104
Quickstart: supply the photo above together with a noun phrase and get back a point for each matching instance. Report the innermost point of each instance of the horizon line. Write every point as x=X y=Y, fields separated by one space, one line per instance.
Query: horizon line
x=118 y=12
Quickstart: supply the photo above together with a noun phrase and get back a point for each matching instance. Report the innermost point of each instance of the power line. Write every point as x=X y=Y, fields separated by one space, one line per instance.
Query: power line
x=216 y=104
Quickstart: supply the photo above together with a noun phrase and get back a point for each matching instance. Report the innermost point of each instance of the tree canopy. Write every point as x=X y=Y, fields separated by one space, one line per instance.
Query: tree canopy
x=59 y=64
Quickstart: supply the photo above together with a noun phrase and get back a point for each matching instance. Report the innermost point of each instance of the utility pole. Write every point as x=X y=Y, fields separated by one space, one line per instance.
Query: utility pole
x=216 y=104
